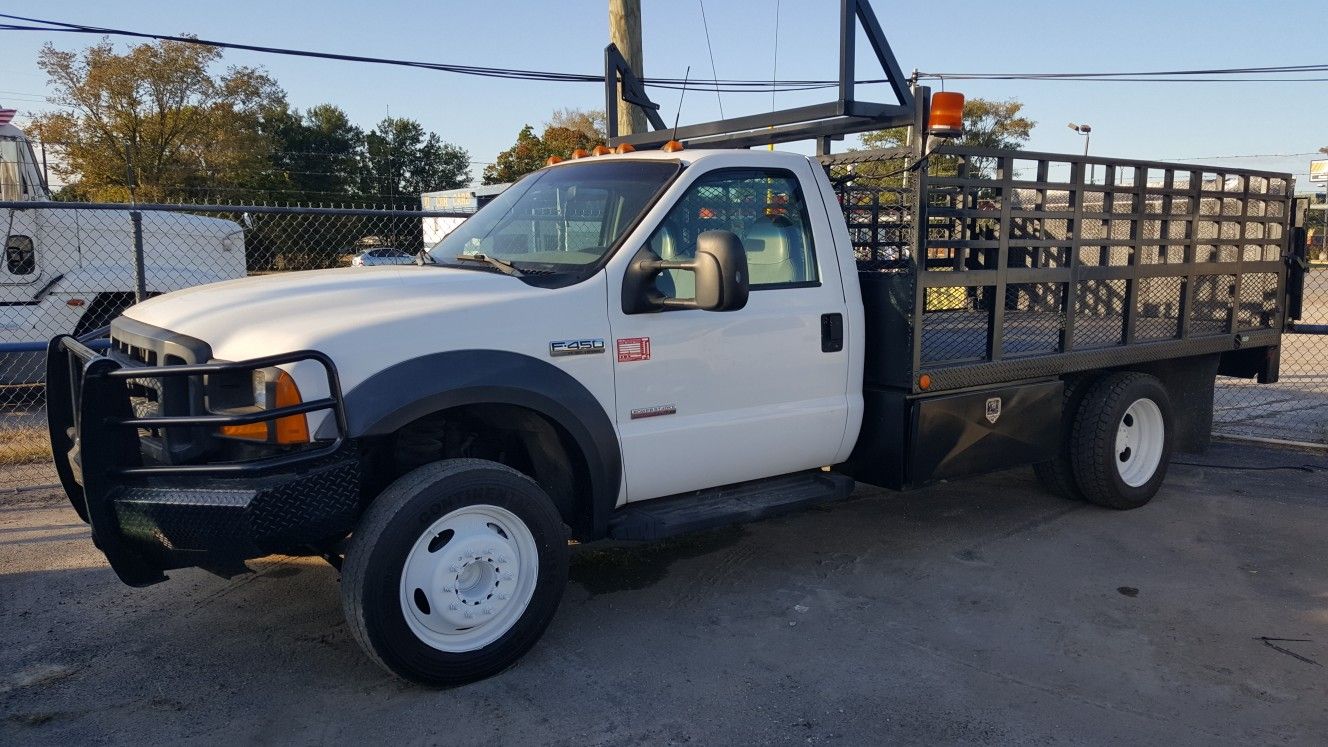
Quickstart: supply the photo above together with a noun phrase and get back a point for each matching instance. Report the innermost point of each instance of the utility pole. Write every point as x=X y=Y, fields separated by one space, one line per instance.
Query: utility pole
x=625 y=33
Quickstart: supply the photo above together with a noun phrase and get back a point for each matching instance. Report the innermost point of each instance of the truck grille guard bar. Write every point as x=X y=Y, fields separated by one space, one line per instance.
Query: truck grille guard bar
x=94 y=429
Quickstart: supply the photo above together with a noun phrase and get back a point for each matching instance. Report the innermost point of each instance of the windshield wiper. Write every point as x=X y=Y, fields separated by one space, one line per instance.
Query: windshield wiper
x=502 y=264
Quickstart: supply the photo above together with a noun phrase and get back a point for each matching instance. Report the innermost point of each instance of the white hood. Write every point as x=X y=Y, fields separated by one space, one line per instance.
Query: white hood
x=369 y=318
x=294 y=310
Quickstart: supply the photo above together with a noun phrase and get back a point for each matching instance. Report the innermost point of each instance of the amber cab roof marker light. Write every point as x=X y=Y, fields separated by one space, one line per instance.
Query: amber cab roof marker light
x=672 y=146
x=580 y=153
x=624 y=148
x=602 y=150
x=552 y=160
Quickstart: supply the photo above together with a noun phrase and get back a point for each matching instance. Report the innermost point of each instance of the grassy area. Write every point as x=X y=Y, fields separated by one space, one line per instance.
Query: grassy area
x=24 y=446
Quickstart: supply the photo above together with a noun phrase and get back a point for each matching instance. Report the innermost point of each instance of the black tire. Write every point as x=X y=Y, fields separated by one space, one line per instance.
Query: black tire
x=1057 y=474
x=376 y=558
x=1093 y=448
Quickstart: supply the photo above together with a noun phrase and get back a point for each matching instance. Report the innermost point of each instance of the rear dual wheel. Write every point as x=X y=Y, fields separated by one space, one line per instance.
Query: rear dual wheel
x=1117 y=445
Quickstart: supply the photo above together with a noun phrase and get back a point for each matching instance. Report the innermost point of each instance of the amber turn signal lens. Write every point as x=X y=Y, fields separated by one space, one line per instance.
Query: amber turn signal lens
x=580 y=153
x=602 y=150
x=292 y=429
x=947 y=114
x=924 y=381
x=624 y=148
x=552 y=160
x=672 y=146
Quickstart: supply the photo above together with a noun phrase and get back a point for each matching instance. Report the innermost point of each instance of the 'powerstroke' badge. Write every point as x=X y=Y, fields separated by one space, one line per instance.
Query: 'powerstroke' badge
x=633 y=349
x=993 y=409
x=653 y=412
x=559 y=348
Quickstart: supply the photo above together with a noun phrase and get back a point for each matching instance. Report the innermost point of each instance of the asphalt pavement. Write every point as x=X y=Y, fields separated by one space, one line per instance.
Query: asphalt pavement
x=983 y=611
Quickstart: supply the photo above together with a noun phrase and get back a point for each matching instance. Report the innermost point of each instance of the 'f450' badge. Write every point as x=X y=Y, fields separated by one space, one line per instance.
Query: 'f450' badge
x=993 y=409
x=559 y=348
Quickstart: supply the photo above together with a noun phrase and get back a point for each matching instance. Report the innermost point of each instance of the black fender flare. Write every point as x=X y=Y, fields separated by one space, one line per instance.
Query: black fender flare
x=409 y=390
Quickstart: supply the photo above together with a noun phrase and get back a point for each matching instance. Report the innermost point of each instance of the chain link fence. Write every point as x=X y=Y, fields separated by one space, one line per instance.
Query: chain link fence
x=1296 y=407
x=70 y=268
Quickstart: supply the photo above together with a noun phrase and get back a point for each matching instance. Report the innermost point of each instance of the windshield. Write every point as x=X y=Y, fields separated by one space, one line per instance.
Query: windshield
x=562 y=219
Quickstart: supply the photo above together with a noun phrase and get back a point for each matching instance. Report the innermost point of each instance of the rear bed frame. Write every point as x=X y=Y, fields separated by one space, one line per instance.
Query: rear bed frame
x=985 y=266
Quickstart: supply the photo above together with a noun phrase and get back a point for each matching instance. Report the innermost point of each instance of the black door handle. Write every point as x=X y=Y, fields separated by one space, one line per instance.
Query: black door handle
x=832 y=333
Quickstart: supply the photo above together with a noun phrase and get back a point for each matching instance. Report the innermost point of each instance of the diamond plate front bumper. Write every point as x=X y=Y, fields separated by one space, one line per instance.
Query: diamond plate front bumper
x=148 y=517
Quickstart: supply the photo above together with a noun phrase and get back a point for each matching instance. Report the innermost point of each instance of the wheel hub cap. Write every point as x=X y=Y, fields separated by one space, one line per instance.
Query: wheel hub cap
x=468 y=578
x=1140 y=438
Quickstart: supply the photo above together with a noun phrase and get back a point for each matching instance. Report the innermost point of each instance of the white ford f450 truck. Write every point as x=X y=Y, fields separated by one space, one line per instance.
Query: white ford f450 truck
x=637 y=345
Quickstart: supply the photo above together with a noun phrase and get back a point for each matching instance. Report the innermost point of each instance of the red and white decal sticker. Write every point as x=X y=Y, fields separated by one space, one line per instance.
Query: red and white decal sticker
x=633 y=349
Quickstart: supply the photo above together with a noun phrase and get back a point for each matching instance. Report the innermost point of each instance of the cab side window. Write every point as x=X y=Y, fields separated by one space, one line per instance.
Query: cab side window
x=765 y=208
x=20 y=257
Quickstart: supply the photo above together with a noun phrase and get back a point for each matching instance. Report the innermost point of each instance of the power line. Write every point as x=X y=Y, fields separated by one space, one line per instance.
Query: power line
x=719 y=85
x=711 y=50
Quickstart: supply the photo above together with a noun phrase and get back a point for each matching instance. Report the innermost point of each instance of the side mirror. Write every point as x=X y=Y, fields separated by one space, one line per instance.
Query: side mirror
x=720 y=270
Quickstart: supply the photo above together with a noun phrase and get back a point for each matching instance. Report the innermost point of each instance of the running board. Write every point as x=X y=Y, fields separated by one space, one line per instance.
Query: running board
x=731 y=504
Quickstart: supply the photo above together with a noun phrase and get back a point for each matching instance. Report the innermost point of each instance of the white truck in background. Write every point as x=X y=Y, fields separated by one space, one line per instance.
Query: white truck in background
x=69 y=268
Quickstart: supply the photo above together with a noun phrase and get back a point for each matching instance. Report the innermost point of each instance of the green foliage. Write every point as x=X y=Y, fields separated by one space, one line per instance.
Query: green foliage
x=159 y=106
x=192 y=134
x=399 y=157
x=566 y=130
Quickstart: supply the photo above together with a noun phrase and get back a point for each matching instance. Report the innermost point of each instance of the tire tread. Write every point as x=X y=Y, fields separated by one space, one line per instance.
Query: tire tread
x=381 y=512
x=1095 y=427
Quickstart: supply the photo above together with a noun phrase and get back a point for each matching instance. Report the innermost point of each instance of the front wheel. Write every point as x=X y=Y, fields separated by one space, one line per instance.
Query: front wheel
x=1122 y=440
x=454 y=572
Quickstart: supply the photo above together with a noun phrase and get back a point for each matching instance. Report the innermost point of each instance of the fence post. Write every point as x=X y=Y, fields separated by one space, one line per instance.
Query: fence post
x=140 y=284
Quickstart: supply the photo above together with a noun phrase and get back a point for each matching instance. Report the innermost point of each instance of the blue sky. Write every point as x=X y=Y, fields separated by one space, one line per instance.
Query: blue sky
x=1137 y=120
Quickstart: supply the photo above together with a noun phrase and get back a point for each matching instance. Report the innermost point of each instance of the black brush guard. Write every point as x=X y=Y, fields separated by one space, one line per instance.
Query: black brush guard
x=148 y=517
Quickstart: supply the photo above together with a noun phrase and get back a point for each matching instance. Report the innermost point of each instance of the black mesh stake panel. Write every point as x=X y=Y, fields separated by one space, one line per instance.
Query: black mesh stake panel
x=1036 y=264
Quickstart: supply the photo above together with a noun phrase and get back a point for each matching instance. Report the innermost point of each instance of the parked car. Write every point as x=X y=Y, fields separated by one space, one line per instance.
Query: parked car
x=383 y=255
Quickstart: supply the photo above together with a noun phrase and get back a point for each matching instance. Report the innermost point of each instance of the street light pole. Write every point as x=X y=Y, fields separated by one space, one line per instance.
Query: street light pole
x=1323 y=240
x=1087 y=132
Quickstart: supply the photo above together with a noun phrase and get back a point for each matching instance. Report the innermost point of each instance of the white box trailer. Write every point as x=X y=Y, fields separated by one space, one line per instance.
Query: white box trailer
x=69 y=268
x=464 y=200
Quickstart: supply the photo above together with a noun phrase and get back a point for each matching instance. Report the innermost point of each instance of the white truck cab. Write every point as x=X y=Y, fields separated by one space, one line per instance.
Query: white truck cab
x=620 y=346
x=69 y=268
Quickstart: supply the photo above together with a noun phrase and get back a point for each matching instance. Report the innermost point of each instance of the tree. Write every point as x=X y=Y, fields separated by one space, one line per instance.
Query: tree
x=400 y=158
x=316 y=154
x=160 y=108
x=566 y=130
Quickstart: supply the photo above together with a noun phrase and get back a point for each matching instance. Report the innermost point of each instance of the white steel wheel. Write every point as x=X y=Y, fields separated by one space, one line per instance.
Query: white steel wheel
x=454 y=571
x=1121 y=441
x=1140 y=438
x=469 y=578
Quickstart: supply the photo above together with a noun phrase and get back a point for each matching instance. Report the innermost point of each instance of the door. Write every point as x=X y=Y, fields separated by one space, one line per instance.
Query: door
x=711 y=398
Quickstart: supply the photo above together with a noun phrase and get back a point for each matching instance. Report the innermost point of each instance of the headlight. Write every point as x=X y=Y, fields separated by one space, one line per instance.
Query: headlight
x=273 y=389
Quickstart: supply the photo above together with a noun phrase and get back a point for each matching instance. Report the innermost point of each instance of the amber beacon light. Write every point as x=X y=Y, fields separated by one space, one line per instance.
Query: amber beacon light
x=947 y=114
